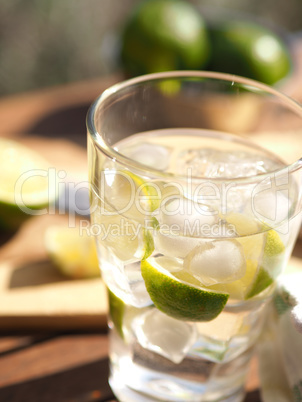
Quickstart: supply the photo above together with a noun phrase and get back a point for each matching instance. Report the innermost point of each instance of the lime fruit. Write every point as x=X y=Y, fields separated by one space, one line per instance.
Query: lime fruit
x=123 y=315
x=248 y=49
x=124 y=237
x=164 y=35
x=273 y=249
x=182 y=300
x=127 y=220
x=148 y=243
x=260 y=251
x=116 y=312
x=129 y=194
x=127 y=239
x=74 y=254
x=24 y=184
x=273 y=245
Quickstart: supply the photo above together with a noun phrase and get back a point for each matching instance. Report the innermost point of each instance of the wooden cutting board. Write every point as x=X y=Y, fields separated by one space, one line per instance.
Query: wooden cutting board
x=33 y=294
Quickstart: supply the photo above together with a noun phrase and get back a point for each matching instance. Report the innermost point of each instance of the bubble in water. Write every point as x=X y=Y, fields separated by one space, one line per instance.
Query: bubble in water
x=164 y=335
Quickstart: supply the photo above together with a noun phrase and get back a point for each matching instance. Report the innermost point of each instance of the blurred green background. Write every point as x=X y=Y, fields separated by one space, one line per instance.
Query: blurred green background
x=50 y=42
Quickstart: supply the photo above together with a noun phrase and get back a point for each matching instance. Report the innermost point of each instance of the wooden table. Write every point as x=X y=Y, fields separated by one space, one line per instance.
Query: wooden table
x=59 y=364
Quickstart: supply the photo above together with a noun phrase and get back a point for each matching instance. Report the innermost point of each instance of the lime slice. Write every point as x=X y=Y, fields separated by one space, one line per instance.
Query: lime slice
x=274 y=245
x=258 y=248
x=123 y=316
x=244 y=225
x=130 y=195
x=116 y=312
x=261 y=282
x=146 y=191
x=272 y=259
x=180 y=300
x=24 y=184
x=264 y=253
x=127 y=239
x=148 y=244
x=122 y=236
x=239 y=288
x=73 y=254
x=128 y=205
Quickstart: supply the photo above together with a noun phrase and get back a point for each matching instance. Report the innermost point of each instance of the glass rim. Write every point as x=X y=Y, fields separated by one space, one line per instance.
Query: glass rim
x=123 y=160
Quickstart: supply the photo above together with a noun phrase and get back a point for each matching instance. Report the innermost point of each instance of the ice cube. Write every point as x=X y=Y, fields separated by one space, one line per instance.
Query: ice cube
x=123 y=236
x=186 y=217
x=152 y=155
x=164 y=335
x=173 y=245
x=124 y=280
x=271 y=207
x=183 y=223
x=207 y=162
x=137 y=284
x=219 y=261
x=168 y=264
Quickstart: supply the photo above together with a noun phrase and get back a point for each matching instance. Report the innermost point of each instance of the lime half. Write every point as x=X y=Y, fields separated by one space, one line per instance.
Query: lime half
x=73 y=254
x=24 y=184
x=178 y=299
x=116 y=311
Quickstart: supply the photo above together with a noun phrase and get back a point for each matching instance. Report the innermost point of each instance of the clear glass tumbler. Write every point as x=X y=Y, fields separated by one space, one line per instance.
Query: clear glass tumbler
x=194 y=221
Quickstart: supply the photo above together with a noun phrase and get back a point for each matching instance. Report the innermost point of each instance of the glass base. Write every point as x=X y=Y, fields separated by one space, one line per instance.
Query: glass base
x=138 y=375
x=126 y=394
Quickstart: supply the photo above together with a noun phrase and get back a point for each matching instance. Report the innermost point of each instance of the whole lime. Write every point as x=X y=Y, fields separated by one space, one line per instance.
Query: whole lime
x=248 y=49
x=164 y=35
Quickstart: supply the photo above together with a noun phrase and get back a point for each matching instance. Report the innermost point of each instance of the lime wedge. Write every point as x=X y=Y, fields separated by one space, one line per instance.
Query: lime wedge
x=73 y=254
x=239 y=288
x=24 y=184
x=274 y=245
x=261 y=282
x=122 y=236
x=272 y=259
x=180 y=300
x=148 y=244
x=243 y=224
x=264 y=254
x=123 y=315
x=148 y=193
x=116 y=312
x=263 y=251
x=128 y=203
x=129 y=194
x=127 y=239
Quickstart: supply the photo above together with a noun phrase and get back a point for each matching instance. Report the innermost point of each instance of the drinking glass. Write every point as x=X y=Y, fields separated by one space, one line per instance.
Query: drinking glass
x=195 y=183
